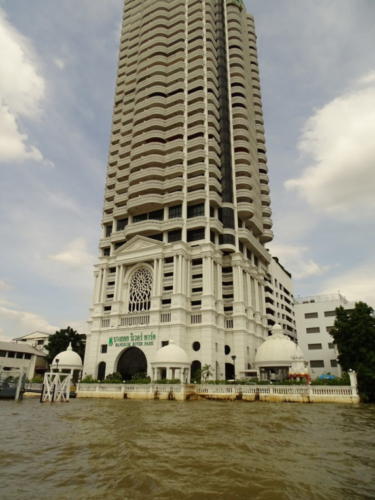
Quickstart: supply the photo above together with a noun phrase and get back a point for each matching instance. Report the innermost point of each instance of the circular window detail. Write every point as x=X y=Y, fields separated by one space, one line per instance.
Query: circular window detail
x=196 y=346
x=227 y=349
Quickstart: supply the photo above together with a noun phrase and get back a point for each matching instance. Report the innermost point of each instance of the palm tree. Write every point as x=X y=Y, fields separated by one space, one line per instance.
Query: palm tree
x=206 y=372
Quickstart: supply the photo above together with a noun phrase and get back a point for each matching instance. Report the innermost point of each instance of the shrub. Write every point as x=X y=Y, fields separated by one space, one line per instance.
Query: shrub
x=113 y=378
x=344 y=380
x=168 y=381
x=144 y=380
x=89 y=380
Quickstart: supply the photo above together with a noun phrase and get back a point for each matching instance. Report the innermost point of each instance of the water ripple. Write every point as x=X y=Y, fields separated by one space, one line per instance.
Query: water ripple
x=94 y=449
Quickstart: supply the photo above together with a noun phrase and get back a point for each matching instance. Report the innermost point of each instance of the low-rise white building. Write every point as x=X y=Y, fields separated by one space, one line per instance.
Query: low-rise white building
x=15 y=356
x=279 y=299
x=37 y=339
x=315 y=316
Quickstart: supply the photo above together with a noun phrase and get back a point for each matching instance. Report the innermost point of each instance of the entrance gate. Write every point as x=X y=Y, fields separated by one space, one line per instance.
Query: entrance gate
x=132 y=363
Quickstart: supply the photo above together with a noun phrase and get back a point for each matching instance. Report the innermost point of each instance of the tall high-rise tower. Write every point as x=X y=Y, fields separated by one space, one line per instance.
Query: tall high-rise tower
x=187 y=206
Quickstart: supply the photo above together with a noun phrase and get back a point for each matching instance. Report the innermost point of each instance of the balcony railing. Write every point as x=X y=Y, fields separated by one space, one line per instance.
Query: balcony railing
x=135 y=320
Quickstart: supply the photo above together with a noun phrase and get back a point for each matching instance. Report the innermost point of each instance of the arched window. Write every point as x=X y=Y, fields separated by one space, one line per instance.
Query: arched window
x=140 y=290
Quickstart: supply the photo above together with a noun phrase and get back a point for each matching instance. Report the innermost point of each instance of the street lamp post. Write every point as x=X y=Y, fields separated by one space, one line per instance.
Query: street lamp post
x=234 y=365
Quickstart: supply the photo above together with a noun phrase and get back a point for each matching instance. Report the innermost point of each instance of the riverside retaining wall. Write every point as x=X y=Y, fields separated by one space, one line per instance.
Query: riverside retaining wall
x=182 y=392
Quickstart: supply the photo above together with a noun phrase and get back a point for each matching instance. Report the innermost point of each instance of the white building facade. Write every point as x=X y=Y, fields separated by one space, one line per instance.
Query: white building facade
x=279 y=299
x=315 y=316
x=36 y=339
x=187 y=207
x=21 y=357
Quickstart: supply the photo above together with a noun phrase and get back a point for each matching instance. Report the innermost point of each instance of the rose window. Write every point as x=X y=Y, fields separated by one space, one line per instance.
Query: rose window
x=140 y=290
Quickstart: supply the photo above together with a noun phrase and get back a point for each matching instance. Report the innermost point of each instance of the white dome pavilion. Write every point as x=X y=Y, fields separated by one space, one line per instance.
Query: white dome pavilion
x=169 y=361
x=67 y=360
x=279 y=356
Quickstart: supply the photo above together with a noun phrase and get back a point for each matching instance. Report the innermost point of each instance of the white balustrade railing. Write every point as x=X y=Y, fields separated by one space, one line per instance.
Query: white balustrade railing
x=195 y=319
x=284 y=390
x=229 y=323
x=135 y=320
x=140 y=388
x=165 y=317
x=227 y=390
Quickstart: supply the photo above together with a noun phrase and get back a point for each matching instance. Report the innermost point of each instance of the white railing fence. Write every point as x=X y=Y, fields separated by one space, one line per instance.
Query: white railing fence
x=303 y=391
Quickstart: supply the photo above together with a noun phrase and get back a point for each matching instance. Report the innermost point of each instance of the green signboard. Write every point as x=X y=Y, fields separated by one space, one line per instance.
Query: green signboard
x=133 y=339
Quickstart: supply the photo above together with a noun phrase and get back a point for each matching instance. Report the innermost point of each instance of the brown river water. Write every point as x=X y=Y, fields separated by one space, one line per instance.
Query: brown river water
x=99 y=449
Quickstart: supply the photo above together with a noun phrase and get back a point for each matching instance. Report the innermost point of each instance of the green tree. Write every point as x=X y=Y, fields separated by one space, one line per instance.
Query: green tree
x=354 y=335
x=59 y=342
x=206 y=372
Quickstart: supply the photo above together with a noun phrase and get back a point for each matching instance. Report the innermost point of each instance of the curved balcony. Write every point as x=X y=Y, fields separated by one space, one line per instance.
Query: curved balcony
x=265 y=199
x=267 y=236
x=214 y=183
x=121 y=199
x=149 y=186
x=267 y=222
x=173 y=198
x=244 y=182
x=173 y=182
x=264 y=179
x=119 y=212
x=216 y=198
x=155 y=173
x=241 y=143
x=173 y=171
x=199 y=195
x=145 y=203
x=144 y=161
x=198 y=168
x=266 y=211
x=198 y=181
x=227 y=247
x=196 y=222
x=108 y=205
x=146 y=227
x=245 y=209
x=122 y=186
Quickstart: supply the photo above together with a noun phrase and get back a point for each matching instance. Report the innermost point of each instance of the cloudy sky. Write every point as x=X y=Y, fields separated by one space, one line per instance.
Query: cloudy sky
x=57 y=73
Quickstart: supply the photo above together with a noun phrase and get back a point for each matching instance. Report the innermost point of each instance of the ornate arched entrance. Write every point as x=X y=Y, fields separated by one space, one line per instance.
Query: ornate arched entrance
x=132 y=363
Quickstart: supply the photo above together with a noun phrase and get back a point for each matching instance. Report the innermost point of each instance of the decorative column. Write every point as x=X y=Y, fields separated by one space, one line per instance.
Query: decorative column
x=160 y=278
x=98 y=277
x=102 y=286
x=175 y=271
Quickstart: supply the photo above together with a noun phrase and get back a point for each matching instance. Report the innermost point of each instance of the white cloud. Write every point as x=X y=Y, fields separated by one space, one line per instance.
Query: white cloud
x=355 y=284
x=21 y=86
x=75 y=254
x=60 y=63
x=14 y=144
x=22 y=89
x=25 y=319
x=339 y=140
x=296 y=260
x=4 y=285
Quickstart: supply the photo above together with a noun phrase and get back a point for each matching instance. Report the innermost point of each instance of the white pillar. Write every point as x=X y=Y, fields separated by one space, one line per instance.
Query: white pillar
x=155 y=278
x=103 y=288
x=353 y=378
x=175 y=270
